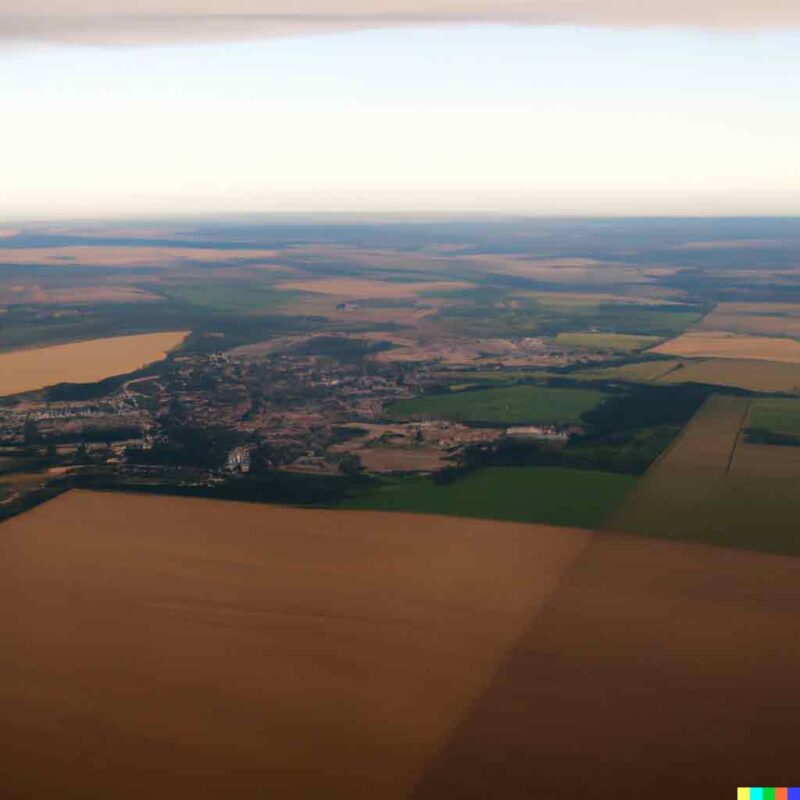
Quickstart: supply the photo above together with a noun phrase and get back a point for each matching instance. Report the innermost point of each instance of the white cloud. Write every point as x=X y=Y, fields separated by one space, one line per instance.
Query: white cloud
x=166 y=21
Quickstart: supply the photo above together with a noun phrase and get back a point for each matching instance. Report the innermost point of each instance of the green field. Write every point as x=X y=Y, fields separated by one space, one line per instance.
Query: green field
x=505 y=406
x=554 y=495
x=613 y=342
x=775 y=416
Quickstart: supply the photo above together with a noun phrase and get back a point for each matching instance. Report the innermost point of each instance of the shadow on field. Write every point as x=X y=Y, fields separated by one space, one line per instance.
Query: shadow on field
x=655 y=670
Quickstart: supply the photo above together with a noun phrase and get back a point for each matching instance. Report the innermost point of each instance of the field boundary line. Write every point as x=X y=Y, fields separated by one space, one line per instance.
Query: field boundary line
x=669 y=371
x=738 y=436
x=676 y=441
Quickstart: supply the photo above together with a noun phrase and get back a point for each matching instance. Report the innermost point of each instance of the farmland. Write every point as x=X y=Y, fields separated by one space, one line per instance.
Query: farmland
x=521 y=494
x=303 y=555
x=714 y=344
x=761 y=319
x=504 y=314
x=222 y=297
x=515 y=404
x=350 y=288
x=399 y=656
x=775 y=417
x=750 y=375
x=635 y=372
x=436 y=337
x=82 y=362
x=75 y=295
x=612 y=342
x=713 y=487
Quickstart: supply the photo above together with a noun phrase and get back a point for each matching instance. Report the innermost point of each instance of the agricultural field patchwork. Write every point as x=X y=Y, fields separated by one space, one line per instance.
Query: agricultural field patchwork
x=426 y=365
x=713 y=487
x=758 y=319
x=636 y=372
x=609 y=342
x=774 y=420
x=749 y=375
x=720 y=344
x=405 y=656
x=504 y=313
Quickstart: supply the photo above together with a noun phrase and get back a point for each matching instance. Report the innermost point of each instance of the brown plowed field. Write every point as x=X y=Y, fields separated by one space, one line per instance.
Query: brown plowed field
x=173 y=648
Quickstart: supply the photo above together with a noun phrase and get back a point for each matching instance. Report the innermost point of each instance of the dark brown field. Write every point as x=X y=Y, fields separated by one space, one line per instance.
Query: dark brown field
x=171 y=648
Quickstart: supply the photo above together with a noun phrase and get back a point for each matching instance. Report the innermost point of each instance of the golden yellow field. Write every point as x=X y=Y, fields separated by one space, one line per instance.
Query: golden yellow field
x=173 y=648
x=756 y=376
x=721 y=344
x=82 y=362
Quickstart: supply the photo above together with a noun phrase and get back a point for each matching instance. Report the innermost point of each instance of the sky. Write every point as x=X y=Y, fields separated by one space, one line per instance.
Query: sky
x=692 y=110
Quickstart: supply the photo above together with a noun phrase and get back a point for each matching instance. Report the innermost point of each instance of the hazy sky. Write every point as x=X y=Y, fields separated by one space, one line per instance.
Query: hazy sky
x=693 y=110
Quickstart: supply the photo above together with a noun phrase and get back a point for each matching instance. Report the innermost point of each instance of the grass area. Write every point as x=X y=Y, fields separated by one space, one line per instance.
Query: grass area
x=554 y=495
x=614 y=342
x=779 y=417
x=509 y=405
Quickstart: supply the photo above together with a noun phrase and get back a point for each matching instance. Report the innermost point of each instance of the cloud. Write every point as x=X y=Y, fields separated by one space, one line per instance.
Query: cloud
x=109 y=22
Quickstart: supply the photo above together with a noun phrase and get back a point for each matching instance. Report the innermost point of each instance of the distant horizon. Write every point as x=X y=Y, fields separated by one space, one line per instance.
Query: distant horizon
x=498 y=118
x=7 y=224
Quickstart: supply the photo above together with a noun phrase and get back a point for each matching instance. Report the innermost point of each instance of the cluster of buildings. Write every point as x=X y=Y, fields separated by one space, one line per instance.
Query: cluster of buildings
x=550 y=433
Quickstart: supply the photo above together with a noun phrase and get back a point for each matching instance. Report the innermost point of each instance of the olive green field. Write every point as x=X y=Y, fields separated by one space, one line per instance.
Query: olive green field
x=509 y=405
x=553 y=495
